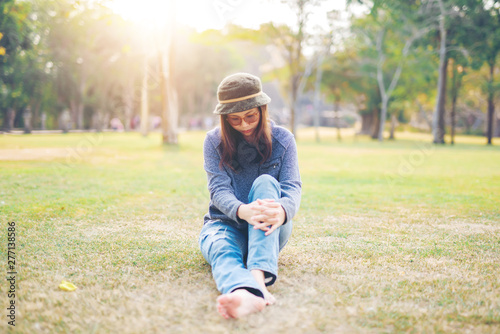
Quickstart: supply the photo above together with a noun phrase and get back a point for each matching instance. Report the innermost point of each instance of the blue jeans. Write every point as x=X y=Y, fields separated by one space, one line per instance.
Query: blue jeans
x=233 y=252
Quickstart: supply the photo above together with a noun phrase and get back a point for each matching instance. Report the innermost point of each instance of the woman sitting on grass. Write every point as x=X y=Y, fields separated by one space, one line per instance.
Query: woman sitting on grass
x=254 y=185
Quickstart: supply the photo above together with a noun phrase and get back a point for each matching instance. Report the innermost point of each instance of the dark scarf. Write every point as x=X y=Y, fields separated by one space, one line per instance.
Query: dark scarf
x=247 y=153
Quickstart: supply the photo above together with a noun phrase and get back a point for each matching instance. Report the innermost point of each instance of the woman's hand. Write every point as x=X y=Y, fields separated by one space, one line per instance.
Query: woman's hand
x=266 y=215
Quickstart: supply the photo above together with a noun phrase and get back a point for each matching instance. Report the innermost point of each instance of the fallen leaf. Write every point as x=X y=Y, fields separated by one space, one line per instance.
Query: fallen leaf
x=67 y=286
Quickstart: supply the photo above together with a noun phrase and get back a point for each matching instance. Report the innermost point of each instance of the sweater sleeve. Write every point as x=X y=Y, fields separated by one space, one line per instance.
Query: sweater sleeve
x=219 y=183
x=289 y=178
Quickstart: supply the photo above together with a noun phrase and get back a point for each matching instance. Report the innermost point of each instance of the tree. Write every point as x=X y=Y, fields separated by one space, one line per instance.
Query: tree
x=390 y=31
x=461 y=38
x=86 y=43
x=334 y=36
x=478 y=35
x=341 y=79
x=438 y=118
x=487 y=20
x=290 y=45
x=348 y=76
x=386 y=93
x=18 y=60
x=167 y=78
x=291 y=41
x=222 y=53
x=457 y=74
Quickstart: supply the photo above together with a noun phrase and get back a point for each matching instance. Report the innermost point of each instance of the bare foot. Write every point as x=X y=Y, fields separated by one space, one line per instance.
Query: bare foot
x=239 y=303
x=269 y=298
x=259 y=277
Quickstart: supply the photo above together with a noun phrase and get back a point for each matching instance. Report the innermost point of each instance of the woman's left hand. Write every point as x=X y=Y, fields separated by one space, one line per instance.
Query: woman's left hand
x=269 y=215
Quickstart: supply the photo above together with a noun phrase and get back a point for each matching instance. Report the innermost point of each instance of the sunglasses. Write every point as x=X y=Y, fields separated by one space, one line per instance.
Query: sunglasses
x=250 y=118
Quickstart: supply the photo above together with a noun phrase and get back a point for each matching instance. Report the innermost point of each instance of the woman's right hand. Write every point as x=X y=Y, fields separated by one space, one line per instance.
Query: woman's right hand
x=266 y=214
x=247 y=211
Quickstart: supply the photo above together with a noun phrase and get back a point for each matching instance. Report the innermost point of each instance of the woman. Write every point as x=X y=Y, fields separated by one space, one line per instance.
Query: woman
x=254 y=185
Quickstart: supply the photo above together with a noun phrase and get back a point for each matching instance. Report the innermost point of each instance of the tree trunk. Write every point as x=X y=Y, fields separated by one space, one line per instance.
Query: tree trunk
x=73 y=107
x=27 y=118
x=128 y=101
x=163 y=93
x=36 y=115
x=337 y=116
x=453 y=113
x=366 y=124
x=317 y=94
x=65 y=120
x=386 y=93
x=9 y=119
x=438 y=120
x=383 y=116
x=497 y=127
x=168 y=103
x=455 y=86
x=97 y=120
x=299 y=84
x=491 y=103
x=43 y=121
x=144 y=99
x=80 y=105
x=170 y=116
x=394 y=122
x=295 y=64
x=439 y=126
x=79 y=122
x=292 y=106
x=376 y=123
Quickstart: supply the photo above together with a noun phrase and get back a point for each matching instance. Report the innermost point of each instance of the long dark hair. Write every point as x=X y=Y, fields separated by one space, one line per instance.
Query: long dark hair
x=231 y=137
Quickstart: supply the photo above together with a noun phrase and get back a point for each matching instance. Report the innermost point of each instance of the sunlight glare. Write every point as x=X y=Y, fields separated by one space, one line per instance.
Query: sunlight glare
x=195 y=13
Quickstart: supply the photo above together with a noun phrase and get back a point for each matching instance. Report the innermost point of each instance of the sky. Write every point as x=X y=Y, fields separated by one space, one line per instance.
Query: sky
x=214 y=14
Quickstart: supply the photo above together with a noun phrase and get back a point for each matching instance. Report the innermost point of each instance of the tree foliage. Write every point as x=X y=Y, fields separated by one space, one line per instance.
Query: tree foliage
x=61 y=57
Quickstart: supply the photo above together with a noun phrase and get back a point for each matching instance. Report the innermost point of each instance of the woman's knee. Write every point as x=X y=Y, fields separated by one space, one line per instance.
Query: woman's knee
x=265 y=185
x=265 y=179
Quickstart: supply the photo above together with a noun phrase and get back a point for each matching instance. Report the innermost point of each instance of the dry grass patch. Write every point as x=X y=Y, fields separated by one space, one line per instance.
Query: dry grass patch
x=121 y=222
x=345 y=274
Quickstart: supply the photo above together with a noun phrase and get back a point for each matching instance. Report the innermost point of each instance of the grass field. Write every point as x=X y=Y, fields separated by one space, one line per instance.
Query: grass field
x=399 y=236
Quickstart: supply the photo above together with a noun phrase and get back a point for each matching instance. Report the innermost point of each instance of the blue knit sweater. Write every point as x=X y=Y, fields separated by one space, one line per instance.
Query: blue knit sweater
x=229 y=189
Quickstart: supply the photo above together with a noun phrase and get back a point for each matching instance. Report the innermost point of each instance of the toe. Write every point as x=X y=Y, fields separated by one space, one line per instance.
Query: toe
x=223 y=299
x=222 y=311
x=269 y=298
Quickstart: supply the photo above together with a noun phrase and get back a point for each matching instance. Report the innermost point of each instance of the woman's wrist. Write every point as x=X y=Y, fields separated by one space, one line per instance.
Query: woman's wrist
x=282 y=214
x=243 y=211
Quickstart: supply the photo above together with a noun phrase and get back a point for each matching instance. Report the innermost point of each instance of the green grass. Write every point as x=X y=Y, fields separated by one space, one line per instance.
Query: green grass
x=399 y=236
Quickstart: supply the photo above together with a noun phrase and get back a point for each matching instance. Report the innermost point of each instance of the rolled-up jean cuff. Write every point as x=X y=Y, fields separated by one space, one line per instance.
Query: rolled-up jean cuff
x=267 y=274
x=253 y=291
